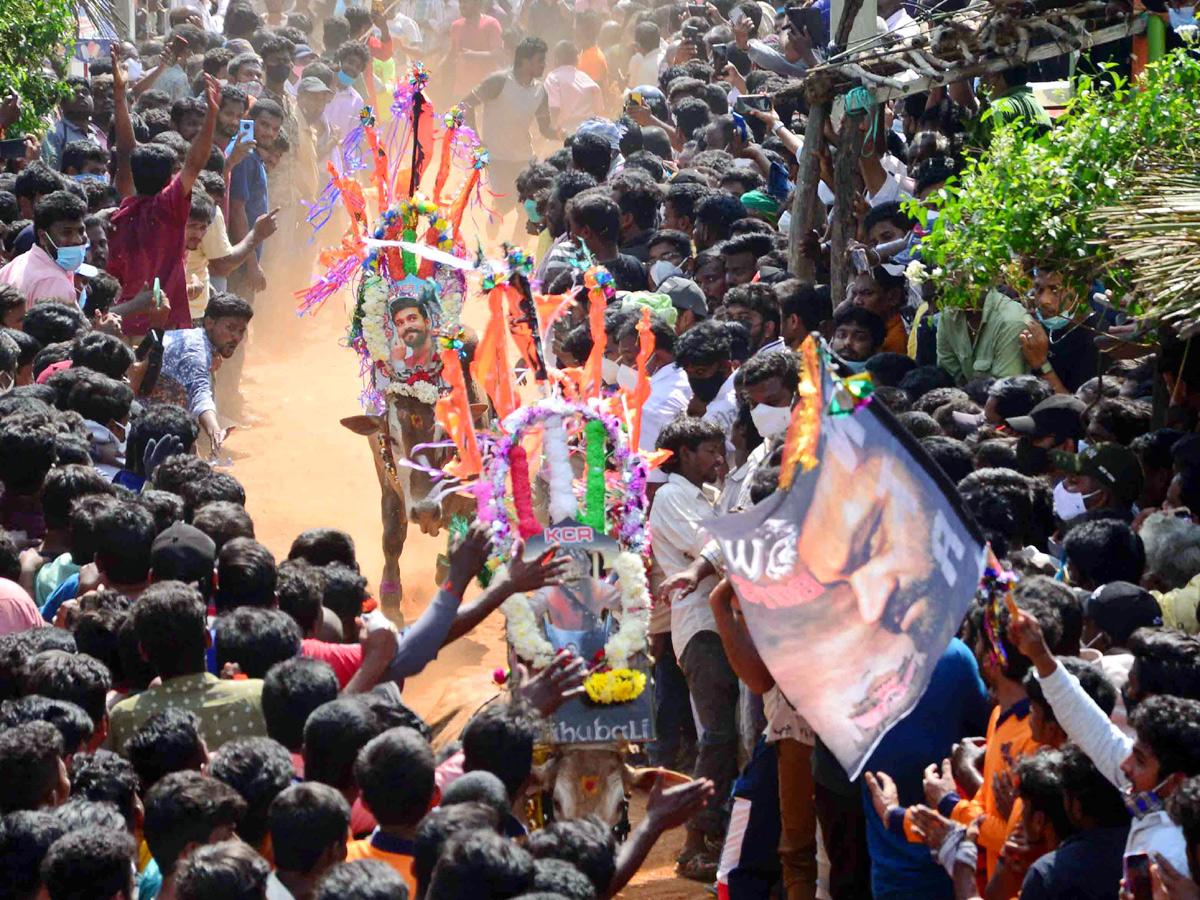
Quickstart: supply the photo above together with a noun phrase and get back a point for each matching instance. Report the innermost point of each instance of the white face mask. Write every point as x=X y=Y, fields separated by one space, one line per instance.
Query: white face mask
x=661 y=270
x=1070 y=505
x=770 y=421
x=7 y=382
x=626 y=377
x=608 y=370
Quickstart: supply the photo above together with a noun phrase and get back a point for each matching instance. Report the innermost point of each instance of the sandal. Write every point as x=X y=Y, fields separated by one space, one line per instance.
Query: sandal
x=699 y=866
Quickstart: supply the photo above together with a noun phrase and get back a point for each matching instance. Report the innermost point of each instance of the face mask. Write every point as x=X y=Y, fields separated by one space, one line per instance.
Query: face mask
x=345 y=80
x=253 y=88
x=608 y=370
x=133 y=68
x=770 y=421
x=706 y=389
x=278 y=72
x=7 y=382
x=1031 y=459
x=626 y=377
x=1053 y=323
x=69 y=258
x=531 y=211
x=1185 y=15
x=1142 y=803
x=855 y=366
x=661 y=270
x=84 y=179
x=1070 y=505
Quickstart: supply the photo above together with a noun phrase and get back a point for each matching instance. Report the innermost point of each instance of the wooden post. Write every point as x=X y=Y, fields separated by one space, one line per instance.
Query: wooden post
x=806 y=210
x=845 y=190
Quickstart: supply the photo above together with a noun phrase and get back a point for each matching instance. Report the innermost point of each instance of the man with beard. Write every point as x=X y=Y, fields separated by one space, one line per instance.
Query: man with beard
x=411 y=346
x=191 y=355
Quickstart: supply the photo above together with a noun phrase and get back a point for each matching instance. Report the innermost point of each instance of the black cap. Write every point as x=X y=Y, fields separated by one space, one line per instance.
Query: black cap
x=684 y=294
x=1060 y=415
x=1120 y=608
x=1113 y=466
x=183 y=553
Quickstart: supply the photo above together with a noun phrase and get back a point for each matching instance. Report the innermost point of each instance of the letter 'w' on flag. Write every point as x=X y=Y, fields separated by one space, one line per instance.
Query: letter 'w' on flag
x=854 y=579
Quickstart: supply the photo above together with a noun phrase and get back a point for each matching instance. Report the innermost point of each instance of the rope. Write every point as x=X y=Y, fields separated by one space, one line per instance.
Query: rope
x=861 y=102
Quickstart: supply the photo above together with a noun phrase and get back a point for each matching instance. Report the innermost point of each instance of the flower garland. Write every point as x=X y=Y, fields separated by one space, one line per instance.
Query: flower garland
x=423 y=390
x=373 y=312
x=610 y=677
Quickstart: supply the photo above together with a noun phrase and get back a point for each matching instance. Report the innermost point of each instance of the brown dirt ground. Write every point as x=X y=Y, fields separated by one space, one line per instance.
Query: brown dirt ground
x=302 y=469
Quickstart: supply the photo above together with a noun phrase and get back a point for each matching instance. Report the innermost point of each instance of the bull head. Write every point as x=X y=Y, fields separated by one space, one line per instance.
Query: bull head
x=589 y=781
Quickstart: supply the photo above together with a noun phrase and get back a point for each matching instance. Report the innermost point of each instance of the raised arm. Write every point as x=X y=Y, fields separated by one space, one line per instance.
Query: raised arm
x=201 y=148
x=125 y=139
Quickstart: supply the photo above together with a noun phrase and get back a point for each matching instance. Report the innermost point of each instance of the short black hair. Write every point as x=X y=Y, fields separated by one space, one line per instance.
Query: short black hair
x=677 y=239
x=689 y=432
x=1105 y=550
x=153 y=166
x=170 y=623
x=333 y=735
x=1124 y=418
x=395 y=774
x=475 y=858
x=246 y=575
x=1171 y=727
x=124 y=536
x=759 y=298
x=241 y=20
x=291 y=691
x=167 y=509
x=717 y=213
x=256 y=639
x=74 y=677
x=1091 y=678
x=299 y=590
x=29 y=756
x=345 y=591
x=104 y=777
x=88 y=863
x=36 y=180
x=185 y=808
x=797 y=298
x=210 y=488
x=952 y=456
x=890 y=368
x=499 y=739
x=888 y=212
x=72 y=722
x=592 y=153
x=1184 y=808
x=556 y=877
x=1099 y=798
x=221 y=520
x=168 y=741
x=1040 y=787
x=159 y=420
x=321 y=546
x=77 y=154
x=923 y=379
x=304 y=820
x=781 y=364
x=259 y=769
x=26 y=452
x=222 y=305
x=438 y=827
x=651 y=164
x=63 y=485
x=686 y=198
x=229 y=870
x=637 y=195
x=1167 y=661
x=1013 y=510
x=362 y=879
x=662 y=332
x=863 y=318
x=98 y=398
x=53 y=323
x=596 y=209
x=103 y=353
x=1016 y=395
x=26 y=836
x=587 y=844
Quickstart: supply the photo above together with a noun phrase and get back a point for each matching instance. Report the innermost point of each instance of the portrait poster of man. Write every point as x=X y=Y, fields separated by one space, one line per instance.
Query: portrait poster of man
x=410 y=325
x=854 y=580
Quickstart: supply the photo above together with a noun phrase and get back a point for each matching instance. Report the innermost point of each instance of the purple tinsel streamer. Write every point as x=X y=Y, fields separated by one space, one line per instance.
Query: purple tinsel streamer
x=327 y=285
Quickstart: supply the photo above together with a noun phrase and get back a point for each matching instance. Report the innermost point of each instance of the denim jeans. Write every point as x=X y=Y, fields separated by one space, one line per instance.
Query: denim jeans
x=714 y=689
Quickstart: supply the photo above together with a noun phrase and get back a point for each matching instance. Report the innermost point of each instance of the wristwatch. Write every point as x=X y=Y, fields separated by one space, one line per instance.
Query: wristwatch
x=1044 y=369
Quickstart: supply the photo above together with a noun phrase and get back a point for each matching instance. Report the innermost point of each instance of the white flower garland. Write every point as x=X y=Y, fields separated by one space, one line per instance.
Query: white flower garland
x=374 y=312
x=630 y=639
x=422 y=391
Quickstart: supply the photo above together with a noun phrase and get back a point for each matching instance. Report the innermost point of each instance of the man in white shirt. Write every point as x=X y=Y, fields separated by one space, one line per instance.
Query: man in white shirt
x=1147 y=769
x=680 y=505
x=644 y=65
x=670 y=392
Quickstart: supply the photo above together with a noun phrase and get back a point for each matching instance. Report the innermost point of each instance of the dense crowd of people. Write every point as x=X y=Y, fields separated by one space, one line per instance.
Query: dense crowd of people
x=184 y=716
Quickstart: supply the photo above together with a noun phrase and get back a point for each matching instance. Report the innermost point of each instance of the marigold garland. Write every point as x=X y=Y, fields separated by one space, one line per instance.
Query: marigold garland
x=615 y=685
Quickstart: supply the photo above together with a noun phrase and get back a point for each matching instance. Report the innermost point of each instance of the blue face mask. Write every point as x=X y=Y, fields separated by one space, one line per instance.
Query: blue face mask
x=69 y=258
x=345 y=80
x=1053 y=323
x=531 y=211
x=102 y=179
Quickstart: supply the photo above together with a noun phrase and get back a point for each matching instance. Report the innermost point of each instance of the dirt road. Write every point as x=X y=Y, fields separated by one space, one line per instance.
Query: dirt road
x=301 y=469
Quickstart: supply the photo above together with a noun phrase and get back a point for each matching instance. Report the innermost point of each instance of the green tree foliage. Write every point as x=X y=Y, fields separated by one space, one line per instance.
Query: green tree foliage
x=1030 y=202
x=32 y=32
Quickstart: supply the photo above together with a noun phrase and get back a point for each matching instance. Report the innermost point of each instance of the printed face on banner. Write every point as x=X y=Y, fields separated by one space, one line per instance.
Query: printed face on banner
x=853 y=582
x=408 y=328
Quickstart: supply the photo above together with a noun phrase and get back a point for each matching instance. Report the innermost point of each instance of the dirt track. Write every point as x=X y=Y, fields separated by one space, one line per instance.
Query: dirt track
x=301 y=469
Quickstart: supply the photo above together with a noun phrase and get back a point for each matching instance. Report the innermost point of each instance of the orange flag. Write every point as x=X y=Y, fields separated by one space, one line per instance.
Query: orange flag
x=490 y=365
x=641 y=391
x=453 y=413
x=589 y=385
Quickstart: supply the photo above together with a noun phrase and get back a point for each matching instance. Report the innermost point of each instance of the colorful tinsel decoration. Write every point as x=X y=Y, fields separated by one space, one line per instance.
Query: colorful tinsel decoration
x=804 y=429
x=595 y=437
x=455 y=117
x=418 y=77
x=851 y=394
x=995 y=585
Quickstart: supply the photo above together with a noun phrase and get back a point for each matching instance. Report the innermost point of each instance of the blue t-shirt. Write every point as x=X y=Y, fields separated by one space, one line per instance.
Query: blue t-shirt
x=65 y=591
x=248 y=183
x=954 y=706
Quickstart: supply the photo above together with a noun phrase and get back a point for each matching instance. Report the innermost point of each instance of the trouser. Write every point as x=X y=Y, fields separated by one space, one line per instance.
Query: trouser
x=714 y=689
x=749 y=865
x=227 y=380
x=672 y=712
x=844 y=830
x=798 y=819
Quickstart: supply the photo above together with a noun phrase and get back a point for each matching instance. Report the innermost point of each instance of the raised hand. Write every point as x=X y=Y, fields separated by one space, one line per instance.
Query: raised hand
x=674 y=806
x=939 y=781
x=529 y=575
x=553 y=686
x=884 y=793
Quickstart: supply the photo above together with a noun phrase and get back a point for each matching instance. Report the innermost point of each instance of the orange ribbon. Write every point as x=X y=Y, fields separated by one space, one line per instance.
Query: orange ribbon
x=490 y=365
x=453 y=413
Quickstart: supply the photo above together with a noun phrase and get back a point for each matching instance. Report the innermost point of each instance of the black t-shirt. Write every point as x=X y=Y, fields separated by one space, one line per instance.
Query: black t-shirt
x=628 y=273
x=1073 y=352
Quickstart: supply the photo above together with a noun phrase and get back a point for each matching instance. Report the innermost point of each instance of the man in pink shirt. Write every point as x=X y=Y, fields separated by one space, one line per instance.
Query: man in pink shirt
x=476 y=47
x=17 y=610
x=574 y=96
x=46 y=271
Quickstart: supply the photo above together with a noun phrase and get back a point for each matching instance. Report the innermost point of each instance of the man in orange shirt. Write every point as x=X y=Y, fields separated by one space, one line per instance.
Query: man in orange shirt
x=395 y=775
x=591 y=58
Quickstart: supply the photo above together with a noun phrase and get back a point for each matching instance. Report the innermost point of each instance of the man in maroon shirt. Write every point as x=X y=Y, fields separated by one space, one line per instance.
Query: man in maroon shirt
x=149 y=228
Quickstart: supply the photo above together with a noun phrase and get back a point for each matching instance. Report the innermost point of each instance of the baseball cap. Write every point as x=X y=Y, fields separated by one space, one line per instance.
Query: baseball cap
x=303 y=51
x=1115 y=467
x=1120 y=608
x=1060 y=415
x=183 y=553
x=311 y=84
x=684 y=294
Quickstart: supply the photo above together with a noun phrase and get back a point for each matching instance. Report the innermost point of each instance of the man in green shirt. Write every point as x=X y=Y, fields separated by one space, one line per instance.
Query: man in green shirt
x=978 y=342
x=1012 y=100
x=172 y=635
